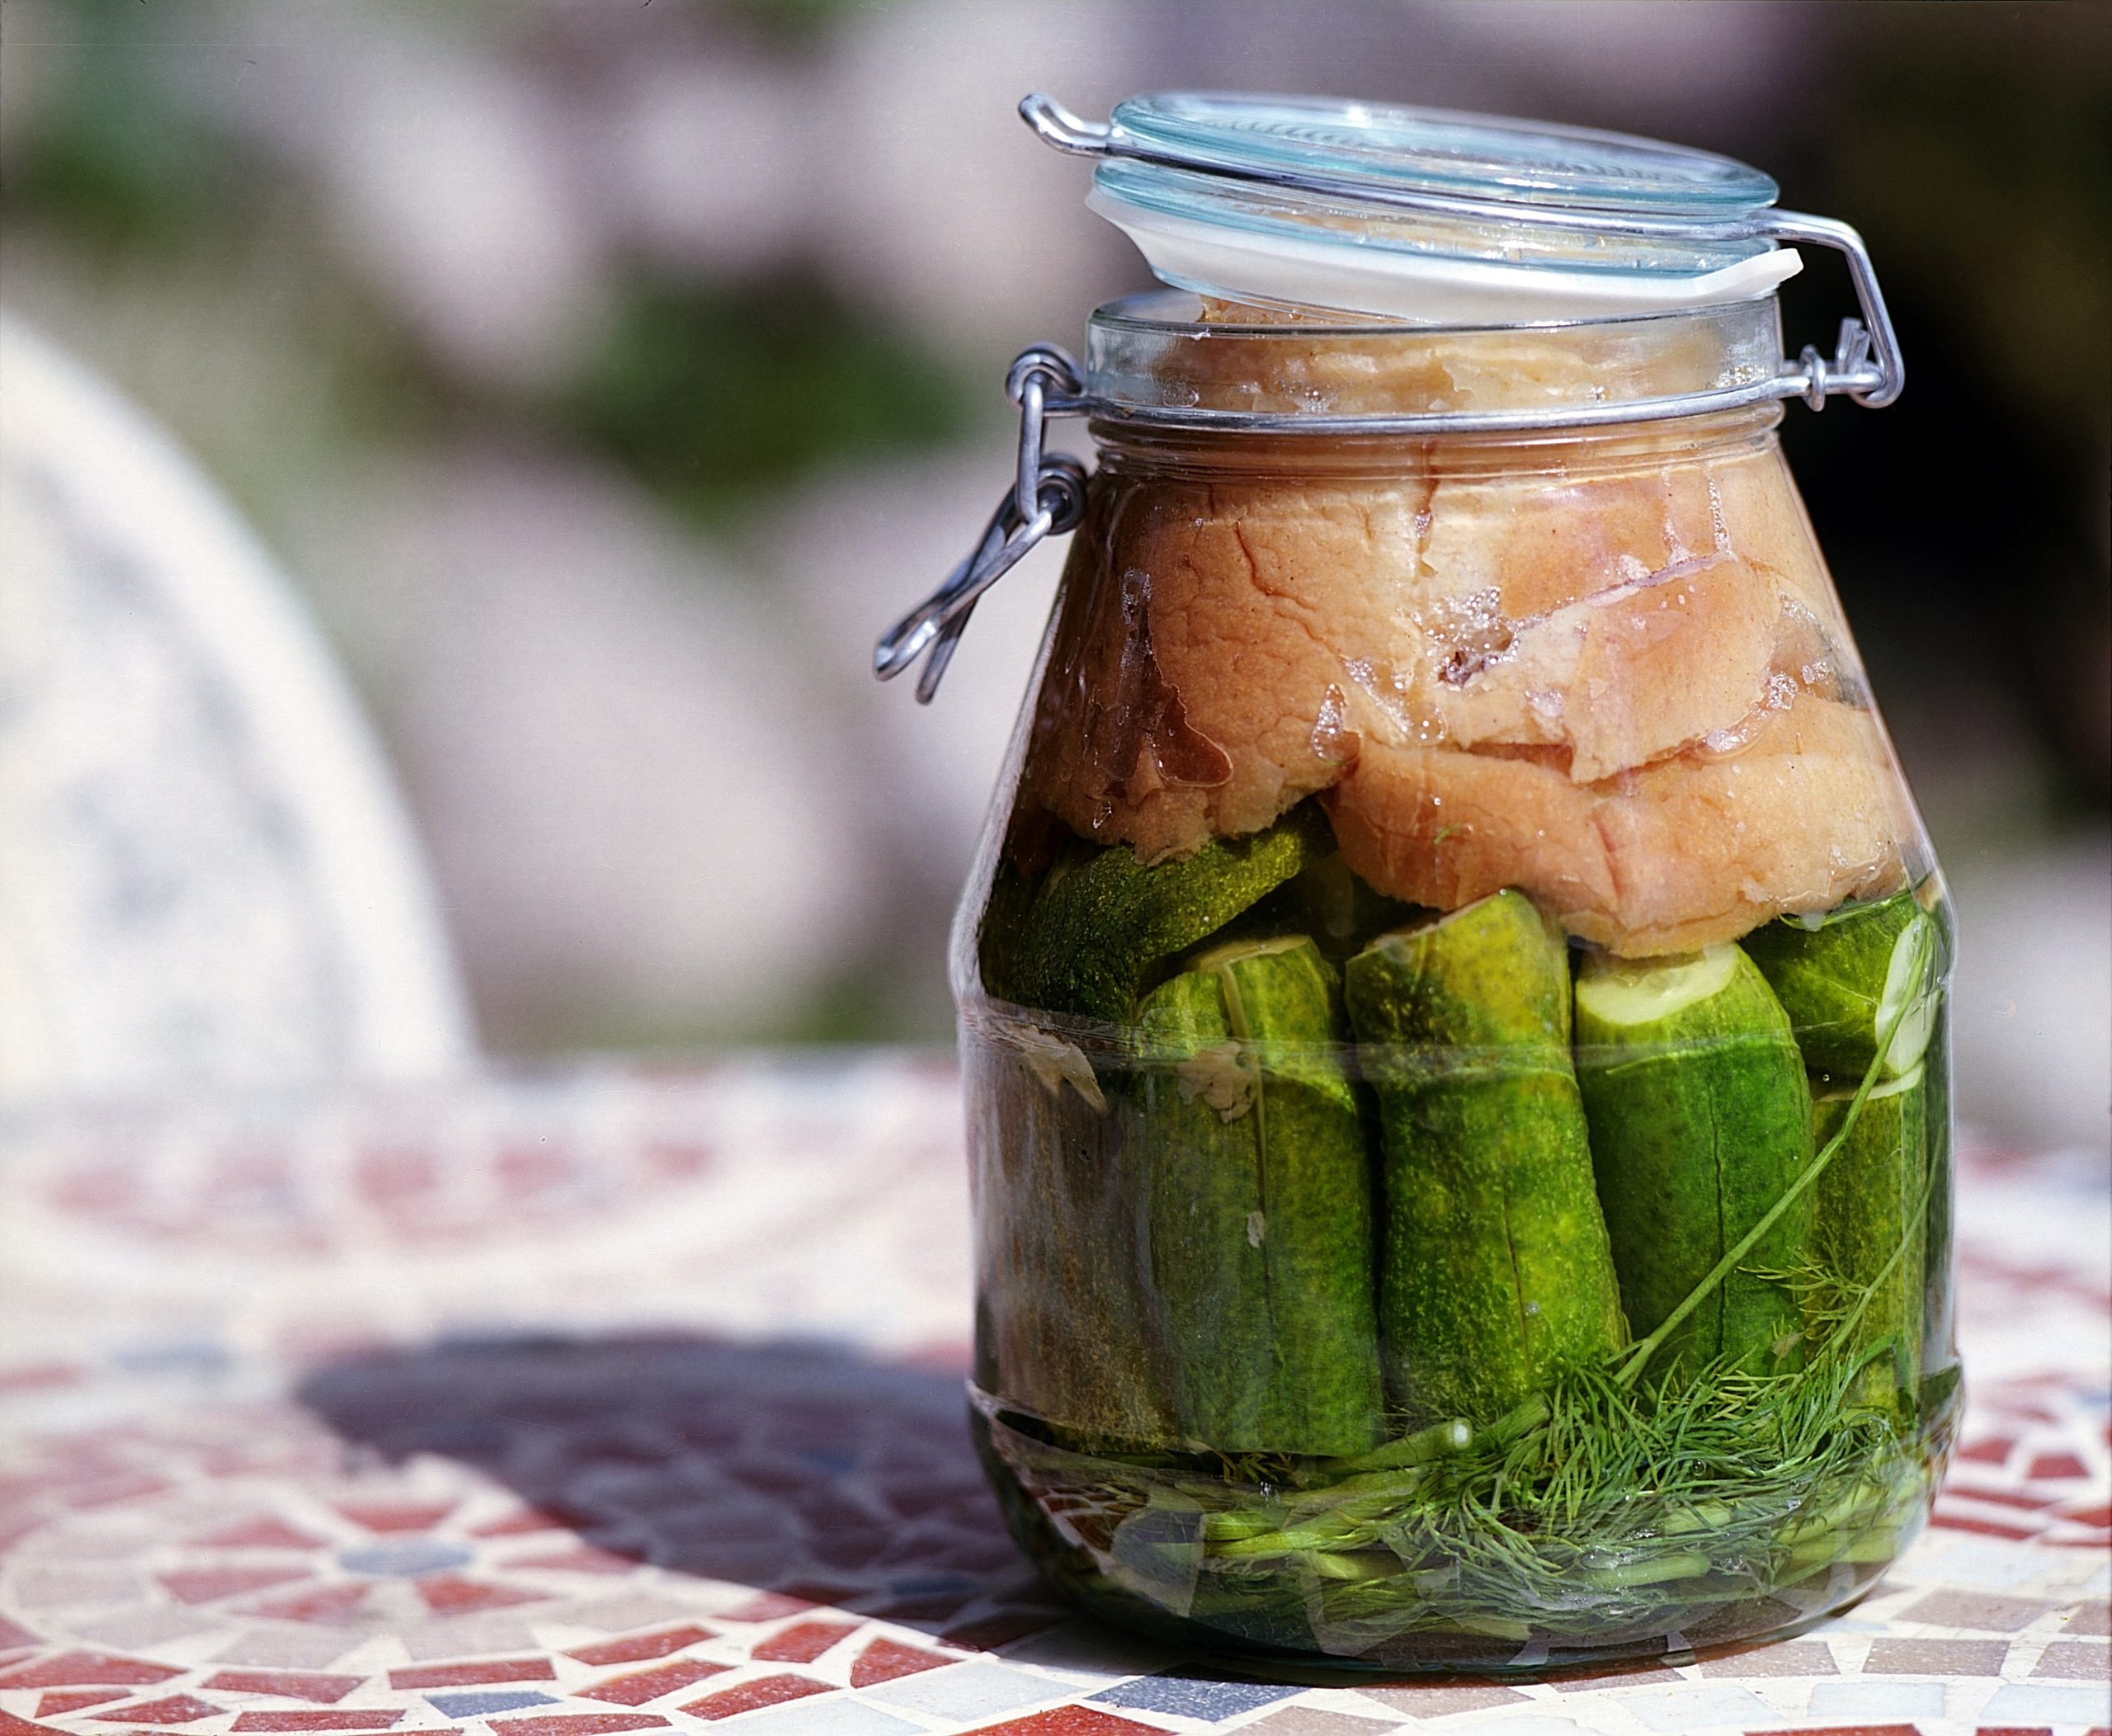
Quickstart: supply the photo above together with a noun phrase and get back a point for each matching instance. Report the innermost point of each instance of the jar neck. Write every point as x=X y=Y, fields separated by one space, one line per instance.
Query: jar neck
x=1136 y=448
x=1167 y=357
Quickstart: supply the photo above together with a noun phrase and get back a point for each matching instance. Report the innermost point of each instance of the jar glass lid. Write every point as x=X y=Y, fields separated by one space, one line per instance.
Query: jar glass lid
x=1426 y=215
x=1381 y=146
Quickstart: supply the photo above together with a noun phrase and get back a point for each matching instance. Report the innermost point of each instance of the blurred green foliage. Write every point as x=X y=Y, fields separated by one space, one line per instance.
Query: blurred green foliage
x=712 y=394
x=119 y=153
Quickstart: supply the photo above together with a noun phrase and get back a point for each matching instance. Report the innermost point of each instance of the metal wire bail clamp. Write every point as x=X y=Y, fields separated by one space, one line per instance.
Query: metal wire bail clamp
x=1046 y=498
x=1868 y=368
x=1048 y=494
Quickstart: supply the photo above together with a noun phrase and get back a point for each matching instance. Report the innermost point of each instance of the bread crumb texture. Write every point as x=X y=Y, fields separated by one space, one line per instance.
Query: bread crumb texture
x=1627 y=691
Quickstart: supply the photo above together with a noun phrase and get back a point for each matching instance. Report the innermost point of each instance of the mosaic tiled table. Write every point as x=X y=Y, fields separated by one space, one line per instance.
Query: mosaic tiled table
x=604 y=1402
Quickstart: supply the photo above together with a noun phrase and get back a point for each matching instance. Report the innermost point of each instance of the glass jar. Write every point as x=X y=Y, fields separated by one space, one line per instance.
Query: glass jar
x=1452 y=999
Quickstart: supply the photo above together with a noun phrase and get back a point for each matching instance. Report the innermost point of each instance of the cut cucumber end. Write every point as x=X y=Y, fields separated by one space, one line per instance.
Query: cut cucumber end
x=1896 y=1086
x=1908 y=996
x=1620 y=993
x=1237 y=952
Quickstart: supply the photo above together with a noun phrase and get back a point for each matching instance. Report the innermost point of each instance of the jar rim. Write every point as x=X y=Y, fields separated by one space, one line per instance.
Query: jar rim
x=1164 y=358
x=1172 y=309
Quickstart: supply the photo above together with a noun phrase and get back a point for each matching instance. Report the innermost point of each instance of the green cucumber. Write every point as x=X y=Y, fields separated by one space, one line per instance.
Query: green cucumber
x=1869 y=1226
x=1700 y=1120
x=1097 y=931
x=1258 y=1206
x=1064 y=1318
x=1494 y=1270
x=1844 y=979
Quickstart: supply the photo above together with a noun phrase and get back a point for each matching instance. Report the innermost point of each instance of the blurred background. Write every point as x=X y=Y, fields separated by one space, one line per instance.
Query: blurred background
x=605 y=374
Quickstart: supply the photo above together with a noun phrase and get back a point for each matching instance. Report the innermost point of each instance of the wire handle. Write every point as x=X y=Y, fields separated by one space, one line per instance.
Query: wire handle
x=1866 y=363
x=1046 y=498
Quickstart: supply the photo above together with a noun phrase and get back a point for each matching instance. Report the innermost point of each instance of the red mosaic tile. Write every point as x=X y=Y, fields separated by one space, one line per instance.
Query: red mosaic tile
x=2101 y=1515
x=2075 y=1660
x=750 y=1696
x=1845 y=1729
x=640 y=1686
x=2014 y=1730
x=2090 y=1618
x=175 y=1709
x=2001 y=1497
x=1982 y=1609
x=641 y=1647
x=394 y=1178
x=1589 y=1677
x=2058 y=1468
x=1305 y=1720
x=885 y=1660
x=210 y=1584
x=87 y=1669
x=11 y=1636
x=768 y=1607
x=288 y=1684
x=1995 y=1451
x=1936 y=1657
x=15 y=1527
x=1420 y=1701
x=936 y=1608
x=579 y=1723
x=913 y=1497
x=1788 y=1658
x=472 y=1675
x=382 y=1718
x=10 y=1725
x=330 y=1606
x=527 y=1520
x=447 y=1594
x=1069 y=1720
x=525 y=1171
x=1941 y=1521
x=802 y=1643
x=584 y=1559
x=818 y=1591
x=42 y=1377
x=855 y=1547
x=672 y=1163
x=105 y=1491
x=396 y=1515
x=258 y=1534
x=989 y=1632
x=75 y=1699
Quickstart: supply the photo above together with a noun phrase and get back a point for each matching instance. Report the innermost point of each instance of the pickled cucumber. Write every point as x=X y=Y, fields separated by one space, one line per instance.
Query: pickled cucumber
x=1870 y=1221
x=1845 y=980
x=1064 y=1324
x=1259 y=1208
x=1096 y=931
x=1700 y=1119
x=1495 y=1269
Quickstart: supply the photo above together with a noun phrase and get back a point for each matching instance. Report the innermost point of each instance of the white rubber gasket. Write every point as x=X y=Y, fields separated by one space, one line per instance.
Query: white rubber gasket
x=1427 y=289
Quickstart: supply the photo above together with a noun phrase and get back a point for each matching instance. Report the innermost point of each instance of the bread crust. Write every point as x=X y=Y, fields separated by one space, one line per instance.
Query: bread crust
x=1561 y=655
x=1797 y=814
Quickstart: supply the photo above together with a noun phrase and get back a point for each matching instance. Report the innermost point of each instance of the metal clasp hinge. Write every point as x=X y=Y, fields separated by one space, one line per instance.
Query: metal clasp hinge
x=1867 y=365
x=1046 y=498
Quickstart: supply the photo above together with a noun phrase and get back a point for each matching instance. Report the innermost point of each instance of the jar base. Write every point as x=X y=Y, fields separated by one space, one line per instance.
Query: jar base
x=1140 y=1562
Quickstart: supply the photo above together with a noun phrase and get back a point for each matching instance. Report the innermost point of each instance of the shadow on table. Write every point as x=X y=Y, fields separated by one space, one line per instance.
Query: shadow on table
x=789 y=1466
